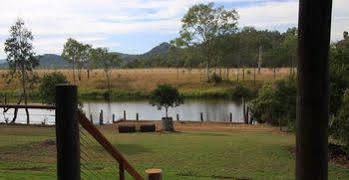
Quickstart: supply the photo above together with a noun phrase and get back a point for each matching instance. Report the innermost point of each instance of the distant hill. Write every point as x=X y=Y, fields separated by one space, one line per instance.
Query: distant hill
x=56 y=61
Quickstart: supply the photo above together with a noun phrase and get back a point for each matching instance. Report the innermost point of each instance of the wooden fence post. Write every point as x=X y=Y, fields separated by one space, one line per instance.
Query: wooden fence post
x=121 y=171
x=124 y=115
x=101 y=118
x=91 y=118
x=314 y=30
x=137 y=116
x=113 y=118
x=202 y=117
x=230 y=117
x=67 y=133
x=177 y=117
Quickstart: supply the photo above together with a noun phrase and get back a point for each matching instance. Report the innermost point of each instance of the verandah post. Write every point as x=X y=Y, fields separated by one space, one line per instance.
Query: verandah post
x=314 y=29
x=67 y=133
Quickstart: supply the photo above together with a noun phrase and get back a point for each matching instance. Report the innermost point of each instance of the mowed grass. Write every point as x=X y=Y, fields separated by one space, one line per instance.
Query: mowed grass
x=252 y=152
x=146 y=80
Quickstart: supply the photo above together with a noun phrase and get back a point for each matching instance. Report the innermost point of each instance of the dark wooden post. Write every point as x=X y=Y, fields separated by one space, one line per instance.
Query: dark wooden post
x=244 y=110
x=113 y=118
x=67 y=133
x=121 y=171
x=124 y=115
x=230 y=117
x=137 y=116
x=101 y=118
x=314 y=31
x=177 y=117
x=201 y=117
x=91 y=118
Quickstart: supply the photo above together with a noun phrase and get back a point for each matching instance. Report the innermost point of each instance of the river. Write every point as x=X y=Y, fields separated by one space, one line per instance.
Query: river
x=212 y=109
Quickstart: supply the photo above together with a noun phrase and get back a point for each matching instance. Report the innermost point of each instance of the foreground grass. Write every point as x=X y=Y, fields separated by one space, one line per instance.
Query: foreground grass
x=253 y=153
x=137 y=83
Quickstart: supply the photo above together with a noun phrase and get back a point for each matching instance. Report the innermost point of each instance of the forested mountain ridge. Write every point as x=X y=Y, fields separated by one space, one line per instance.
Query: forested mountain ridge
x=56 y=61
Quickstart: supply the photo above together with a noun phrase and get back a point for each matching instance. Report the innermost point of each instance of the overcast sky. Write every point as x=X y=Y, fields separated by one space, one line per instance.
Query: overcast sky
x=135 y=26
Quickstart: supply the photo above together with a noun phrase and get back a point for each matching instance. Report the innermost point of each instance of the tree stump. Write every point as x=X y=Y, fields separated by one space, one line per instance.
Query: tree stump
x=154 y=174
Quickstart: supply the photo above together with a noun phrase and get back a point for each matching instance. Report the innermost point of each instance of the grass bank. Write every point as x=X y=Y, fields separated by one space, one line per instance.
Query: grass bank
x=237 y=151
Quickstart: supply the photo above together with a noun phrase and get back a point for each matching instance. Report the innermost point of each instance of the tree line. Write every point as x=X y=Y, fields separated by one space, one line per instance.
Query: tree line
x=210 y=38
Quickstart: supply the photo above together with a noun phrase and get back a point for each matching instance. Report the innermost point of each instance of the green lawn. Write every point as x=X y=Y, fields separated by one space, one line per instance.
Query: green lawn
x=184 y=155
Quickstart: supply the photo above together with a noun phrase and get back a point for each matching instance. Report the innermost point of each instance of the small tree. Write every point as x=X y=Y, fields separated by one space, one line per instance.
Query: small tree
x=107 y=61
x=165 y=96
x=48 y=84
x=21 y=59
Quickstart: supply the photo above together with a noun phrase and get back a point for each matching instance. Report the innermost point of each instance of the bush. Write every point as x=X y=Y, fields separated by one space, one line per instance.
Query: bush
x=47 y=88
x=276 y=103
x=239 y=91
x=339 y=125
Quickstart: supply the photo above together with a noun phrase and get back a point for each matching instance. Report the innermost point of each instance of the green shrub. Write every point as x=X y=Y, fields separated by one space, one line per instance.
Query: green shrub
x=276 y=103
x=339 y=125
x=240 y=91
x=47 y=91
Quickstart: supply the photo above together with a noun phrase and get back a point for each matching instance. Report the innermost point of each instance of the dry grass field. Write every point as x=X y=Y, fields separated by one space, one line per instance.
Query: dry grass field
x=146 y=79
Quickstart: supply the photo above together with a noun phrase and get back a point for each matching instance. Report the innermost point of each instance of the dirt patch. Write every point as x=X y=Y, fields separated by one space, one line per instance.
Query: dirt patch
x=336 y=155
x=198 y=126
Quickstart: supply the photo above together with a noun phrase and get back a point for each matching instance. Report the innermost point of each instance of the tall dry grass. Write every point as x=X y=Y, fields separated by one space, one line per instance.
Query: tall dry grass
x=148 y=79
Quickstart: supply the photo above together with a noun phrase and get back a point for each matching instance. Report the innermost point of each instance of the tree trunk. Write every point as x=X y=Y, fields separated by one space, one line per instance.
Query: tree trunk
x=166 y=108
x=24 y=79
x=88 y=73
x=314 y=29
x=74 y=71
x=260 y=58
x=207 y=72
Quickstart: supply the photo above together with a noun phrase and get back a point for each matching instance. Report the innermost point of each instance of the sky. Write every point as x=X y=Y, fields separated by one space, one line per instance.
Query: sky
x=136 y=26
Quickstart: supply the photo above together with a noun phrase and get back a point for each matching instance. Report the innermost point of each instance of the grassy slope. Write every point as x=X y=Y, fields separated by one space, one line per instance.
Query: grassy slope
x=139 y=82
x=256 y=154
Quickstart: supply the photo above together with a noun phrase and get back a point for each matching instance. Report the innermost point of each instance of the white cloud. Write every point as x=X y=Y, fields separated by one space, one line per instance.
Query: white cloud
x=96 y=21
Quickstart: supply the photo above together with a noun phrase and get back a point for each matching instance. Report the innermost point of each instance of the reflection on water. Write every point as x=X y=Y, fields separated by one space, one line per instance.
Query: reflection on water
x=213 y=110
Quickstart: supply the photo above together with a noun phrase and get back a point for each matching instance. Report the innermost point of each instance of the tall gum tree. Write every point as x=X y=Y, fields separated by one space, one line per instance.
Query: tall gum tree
x=21 y=59
x=202 y=23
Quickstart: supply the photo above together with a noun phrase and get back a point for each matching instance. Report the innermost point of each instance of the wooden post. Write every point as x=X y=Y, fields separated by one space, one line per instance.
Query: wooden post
x=177 y=117
x=254 y=76
x=121 y=171
x=124 y=115
x=230 y=117
x=314 y=29
x=67 y=133
x=202 y=117
x=101 y=118
x=137 y=116
x=154 y=174
x=91 y=118
x=244 y=110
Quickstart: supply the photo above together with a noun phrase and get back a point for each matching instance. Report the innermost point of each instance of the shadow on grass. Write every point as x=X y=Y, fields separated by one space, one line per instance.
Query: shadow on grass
x=131 y=149
x=206 y=134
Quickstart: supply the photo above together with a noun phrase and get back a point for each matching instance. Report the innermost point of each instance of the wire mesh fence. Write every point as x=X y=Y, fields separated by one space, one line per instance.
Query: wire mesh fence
x=95 y=162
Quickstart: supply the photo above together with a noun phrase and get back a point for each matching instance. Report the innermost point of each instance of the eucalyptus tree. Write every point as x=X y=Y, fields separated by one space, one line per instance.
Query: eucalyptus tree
x=21 y=59
x=71 y=52
x=102 y=58
x=202 y=23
